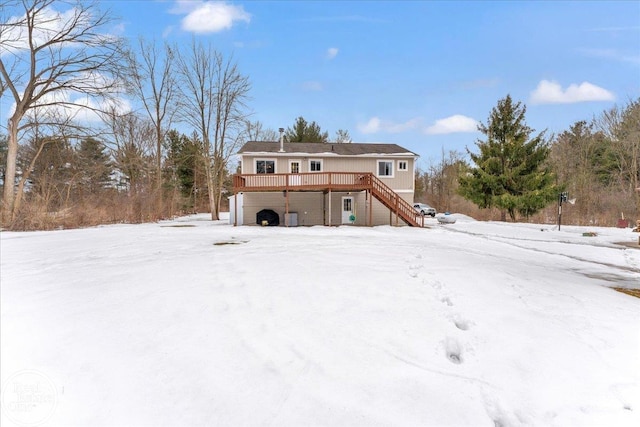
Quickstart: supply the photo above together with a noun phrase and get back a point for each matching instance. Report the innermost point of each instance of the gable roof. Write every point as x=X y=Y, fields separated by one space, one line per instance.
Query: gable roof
x=347 y=149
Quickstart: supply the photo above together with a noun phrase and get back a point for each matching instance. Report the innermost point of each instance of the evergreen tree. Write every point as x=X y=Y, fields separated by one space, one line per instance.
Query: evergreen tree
x=184 y=163
x=51 y=174
x=510 y=172
x=305 y=132
x=94 y=166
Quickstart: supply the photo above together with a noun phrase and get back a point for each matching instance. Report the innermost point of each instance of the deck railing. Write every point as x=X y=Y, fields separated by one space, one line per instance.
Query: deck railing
x=302 y=181
x=324 y=181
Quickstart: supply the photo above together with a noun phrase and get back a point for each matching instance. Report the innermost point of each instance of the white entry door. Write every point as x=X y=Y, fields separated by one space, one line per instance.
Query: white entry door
x=348 y=210
x=294 y=168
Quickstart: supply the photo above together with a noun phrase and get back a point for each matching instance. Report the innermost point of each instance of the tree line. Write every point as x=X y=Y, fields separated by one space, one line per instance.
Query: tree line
x=519 y=174
x=75 y=154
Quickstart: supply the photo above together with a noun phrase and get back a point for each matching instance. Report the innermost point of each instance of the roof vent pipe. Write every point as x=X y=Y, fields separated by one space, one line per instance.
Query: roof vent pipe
x=281 y=140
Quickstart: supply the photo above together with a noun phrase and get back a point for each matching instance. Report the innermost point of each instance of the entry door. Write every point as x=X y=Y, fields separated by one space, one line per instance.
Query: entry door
x=294 y=168
x=348 y=210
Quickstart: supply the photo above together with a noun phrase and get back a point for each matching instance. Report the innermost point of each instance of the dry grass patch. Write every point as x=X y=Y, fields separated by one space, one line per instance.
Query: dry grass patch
x=632 y=292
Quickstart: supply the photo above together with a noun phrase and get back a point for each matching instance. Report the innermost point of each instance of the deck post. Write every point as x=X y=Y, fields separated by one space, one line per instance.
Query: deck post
x=370 y=208
x=286 y=202
x=397 y=209
x=286 y=197
x=235 y=208
x=329 y=206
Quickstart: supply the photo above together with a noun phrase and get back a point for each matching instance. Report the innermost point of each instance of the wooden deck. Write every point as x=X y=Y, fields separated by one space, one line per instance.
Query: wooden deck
x=327 y=182
x=320 y=181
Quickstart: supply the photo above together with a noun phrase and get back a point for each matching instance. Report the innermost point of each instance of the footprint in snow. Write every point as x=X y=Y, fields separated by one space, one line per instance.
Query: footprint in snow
x=414 y=269
x=436 y=285
x=462 y=324
x=453 y=350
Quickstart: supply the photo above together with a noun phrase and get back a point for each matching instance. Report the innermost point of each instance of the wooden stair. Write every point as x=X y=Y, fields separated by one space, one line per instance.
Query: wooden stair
x=394 y=202
x=331 y=181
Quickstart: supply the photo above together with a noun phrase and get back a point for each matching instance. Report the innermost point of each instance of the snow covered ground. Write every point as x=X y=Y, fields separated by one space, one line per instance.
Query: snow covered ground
x=194 y=322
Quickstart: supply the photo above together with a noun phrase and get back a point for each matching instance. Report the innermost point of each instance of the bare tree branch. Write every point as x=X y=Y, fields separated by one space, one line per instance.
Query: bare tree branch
x=213 y=100
x=47 y=57
x=153 y=81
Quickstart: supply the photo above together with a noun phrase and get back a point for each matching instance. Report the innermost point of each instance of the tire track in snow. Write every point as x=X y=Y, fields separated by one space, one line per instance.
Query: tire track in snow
x=510 y=241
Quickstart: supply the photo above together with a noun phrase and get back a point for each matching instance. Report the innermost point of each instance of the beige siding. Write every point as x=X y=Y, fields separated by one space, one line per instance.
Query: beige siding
x=315 y=208
x=383 y=216
x=308 y=205
x=359 y=199
x=401 y=180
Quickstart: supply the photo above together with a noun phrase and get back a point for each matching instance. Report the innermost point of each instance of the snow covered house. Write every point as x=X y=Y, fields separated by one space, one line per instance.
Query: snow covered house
x=325 y=184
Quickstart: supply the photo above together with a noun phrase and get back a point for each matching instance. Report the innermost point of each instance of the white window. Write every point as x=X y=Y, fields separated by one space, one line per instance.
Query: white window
x=403 y=165
x=265 y=166
x=385 y=168
x=315 y=165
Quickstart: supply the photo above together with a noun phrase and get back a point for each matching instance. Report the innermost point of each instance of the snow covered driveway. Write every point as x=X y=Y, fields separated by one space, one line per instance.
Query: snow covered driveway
x=194 y=322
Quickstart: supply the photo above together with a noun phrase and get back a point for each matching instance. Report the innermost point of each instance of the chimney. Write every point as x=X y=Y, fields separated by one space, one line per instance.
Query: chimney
x=281 y=140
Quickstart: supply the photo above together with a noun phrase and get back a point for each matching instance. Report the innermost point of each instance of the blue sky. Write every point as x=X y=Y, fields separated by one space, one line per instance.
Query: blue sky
x=416 y=73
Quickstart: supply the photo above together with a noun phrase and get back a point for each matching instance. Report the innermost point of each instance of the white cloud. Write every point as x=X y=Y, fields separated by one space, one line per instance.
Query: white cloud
x=209 y=16
x=118 y=29
x=48 y=23
x=550 y=92
x=453 y=124
x=167 y=31
x=372 y=126
x=375 y=125
x=332 y=52
x=76 y=107
x=119 y=105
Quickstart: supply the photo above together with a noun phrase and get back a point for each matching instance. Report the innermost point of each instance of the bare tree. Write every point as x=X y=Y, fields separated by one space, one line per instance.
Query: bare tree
x=622 y=128
x=255 y=131
x=131 y=140
x=48 y=57
x=343 y=137
x=154 y=84
x=574 y=156
x=213 y=100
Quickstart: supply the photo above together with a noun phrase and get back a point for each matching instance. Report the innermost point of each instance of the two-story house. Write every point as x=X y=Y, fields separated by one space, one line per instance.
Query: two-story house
x=325 y=184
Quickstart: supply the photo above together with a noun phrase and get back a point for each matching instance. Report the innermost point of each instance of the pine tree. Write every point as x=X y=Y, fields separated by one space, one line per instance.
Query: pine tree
x=511 y=172
x=51 y=175
x=183 y=164
x=94 y=165
x=305 y=132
